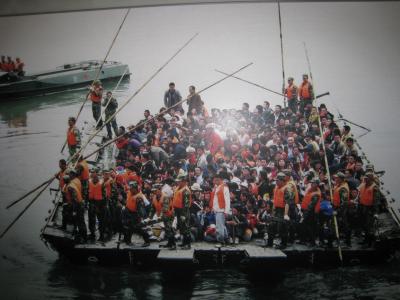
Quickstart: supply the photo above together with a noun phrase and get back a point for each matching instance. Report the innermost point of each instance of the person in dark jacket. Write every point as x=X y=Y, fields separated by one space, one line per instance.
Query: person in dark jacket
x=172 y=97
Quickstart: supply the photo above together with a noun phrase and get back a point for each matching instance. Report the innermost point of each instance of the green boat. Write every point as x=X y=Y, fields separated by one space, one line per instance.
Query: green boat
x=65 y=77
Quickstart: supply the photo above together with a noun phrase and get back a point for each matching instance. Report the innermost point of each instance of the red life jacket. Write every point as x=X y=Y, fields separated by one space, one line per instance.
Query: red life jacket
x=177 y=201
x=304 y=91
x=95 y=191
x=367 y=194
x=291 y=92
x=157 y=204
x=85 y=170
x=336 y=194
x=71 y=138
x=95 y=95
x=307 y=200
x=279 y=197
x=131 y=202
x=220 y=197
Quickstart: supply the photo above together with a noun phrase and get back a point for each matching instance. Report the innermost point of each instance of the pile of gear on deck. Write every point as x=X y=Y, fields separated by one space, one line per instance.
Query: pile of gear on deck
x=228 y=176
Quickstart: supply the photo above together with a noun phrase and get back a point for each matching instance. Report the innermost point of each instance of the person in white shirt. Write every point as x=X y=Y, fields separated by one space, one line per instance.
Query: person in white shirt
x=220 y=204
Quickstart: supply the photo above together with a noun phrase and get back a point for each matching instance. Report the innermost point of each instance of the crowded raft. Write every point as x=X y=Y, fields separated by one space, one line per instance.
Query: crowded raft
x=223 y=176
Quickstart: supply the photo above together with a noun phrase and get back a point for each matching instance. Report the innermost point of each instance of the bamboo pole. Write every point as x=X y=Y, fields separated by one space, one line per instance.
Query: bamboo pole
x=99 y=70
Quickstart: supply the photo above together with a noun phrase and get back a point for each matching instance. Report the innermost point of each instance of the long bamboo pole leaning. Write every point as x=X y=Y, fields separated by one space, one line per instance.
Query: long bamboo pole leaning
x=283 y=65
x=26 y=208
x=99 y=70
x=136 y=93
x=263 y=87
x=325 y=159
x=27 y=194
x=164 y=112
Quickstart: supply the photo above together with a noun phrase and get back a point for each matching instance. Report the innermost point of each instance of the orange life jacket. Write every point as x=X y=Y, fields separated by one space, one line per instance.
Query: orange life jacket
x=132 y=201
x=77 y=186
x=220 y=197
x=291 y=92
x=95 y=96
x=177 y=201
x=108 y=187
x=304 y=90
x=367 y=194
x=61 y=179
x=157 y=204
x=85 y=170
x=307 y=200
x=279 y=197
x=95 y=191
x=71 y=138
x=336 y=194
x=67 y=194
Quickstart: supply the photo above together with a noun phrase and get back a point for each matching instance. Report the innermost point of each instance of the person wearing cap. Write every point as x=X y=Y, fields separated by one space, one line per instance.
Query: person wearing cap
x=73 y=137
x=74 y=191
x=220 y=204
x=181 y=202
x=283 y=199
x=97 y=206
x=290 y=93
x=131 y=215
x=110 y=105
x=341 y=201
x=310 y=207
x=370 y=168
x=95 y=94
x=369 y=200
x=306 y=93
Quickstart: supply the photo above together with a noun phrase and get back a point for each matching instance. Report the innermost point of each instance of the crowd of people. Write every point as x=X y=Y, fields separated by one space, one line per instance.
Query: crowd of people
x=10 y=66
x=228 y=176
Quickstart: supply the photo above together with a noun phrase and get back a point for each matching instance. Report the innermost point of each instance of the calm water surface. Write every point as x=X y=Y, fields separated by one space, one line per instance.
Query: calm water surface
x=355 y=54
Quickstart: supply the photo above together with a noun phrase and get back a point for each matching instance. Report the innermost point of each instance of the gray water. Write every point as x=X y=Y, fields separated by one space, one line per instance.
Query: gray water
x=355 y=54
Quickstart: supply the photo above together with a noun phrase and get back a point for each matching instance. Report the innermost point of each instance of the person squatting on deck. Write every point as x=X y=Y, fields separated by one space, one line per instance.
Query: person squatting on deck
x=231 y=176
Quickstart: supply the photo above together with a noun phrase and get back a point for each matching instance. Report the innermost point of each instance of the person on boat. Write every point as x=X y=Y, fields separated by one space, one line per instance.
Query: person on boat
x=19 y=67
x=306 y=93
x=111 y=194
x=195 y=104
x=294 y=207
x=97 y=206
x=3 y=63
x=110 y=105
x=182 y=200
x=62 y=164
x=132 y=219
x=341 y=201
x=95 y=94
x=369 y=201
x=82 y=170
x=67 y=208
x=283 y=198
x=74 y=190
x=172 y=97
x=167 y=213
x=73 y=137
x=220 y=204
x=10 y=65
x=310 y=207
x=291 y=93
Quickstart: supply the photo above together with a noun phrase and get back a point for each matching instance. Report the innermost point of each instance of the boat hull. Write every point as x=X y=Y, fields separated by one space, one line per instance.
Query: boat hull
x=61 y=80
